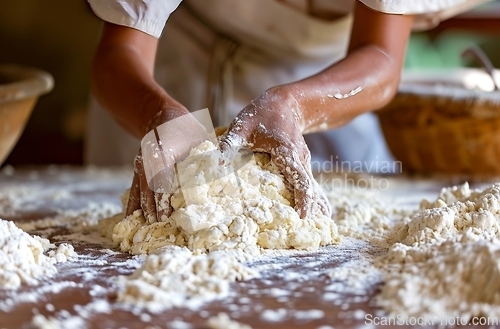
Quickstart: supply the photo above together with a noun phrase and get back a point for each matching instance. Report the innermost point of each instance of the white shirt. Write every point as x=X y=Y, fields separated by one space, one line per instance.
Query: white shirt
x=150 y=16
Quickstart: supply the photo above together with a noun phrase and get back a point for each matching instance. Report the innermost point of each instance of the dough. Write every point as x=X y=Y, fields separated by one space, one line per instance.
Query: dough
x=218 y=209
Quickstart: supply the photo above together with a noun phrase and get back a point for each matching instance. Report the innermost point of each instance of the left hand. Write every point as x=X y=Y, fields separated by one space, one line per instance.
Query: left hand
x=273 y=124
x=173 y=133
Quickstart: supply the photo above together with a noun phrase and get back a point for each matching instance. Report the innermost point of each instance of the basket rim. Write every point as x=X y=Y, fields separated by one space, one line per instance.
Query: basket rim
x=448 y=92
x=461 y=83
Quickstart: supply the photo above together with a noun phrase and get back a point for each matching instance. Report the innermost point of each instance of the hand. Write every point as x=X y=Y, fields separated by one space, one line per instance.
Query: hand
x=273 y=124
x=154 y=175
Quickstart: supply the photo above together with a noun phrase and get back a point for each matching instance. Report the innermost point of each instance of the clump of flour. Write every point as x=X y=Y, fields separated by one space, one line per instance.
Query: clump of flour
x=23 y=259
x=173 y=277
x=217 y=209
x=445 y=259
x=223 y=321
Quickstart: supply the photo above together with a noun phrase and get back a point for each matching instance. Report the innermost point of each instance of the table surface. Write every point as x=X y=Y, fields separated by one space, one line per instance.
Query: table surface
x=57 y=190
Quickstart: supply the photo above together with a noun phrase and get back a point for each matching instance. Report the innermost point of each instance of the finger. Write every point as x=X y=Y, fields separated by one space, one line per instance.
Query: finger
x=288 y=161
x=148 y=202
x=323 y=201
x=168 y=184
x=134 y=199
x=229 y=144
x=163 y=207
x=320 y=197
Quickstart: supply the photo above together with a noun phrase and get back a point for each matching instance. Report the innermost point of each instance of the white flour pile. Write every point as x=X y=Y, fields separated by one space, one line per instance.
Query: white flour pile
x=233 y=216
x=175 y=277
x=23 y=259
x=445 y=259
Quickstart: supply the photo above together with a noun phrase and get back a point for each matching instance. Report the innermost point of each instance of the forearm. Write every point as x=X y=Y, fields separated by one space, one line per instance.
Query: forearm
x=122 y=81
x=365 y=80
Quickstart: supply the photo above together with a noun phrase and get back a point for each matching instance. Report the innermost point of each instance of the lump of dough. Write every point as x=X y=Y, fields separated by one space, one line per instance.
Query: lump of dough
x=246 y=206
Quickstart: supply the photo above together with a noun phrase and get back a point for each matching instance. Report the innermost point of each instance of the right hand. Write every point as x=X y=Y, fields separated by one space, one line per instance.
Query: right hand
x=272 y=124
x=153 y=195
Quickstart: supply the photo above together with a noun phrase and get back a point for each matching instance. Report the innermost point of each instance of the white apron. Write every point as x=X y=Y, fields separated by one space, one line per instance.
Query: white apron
x=224 y=57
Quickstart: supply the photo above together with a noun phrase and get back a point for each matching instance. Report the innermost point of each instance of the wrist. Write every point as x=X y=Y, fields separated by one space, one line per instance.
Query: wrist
x=165 y=113
x=287 y=98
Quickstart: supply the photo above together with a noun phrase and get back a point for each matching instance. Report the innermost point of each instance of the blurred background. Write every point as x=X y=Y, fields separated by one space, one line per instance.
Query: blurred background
x=59 y=36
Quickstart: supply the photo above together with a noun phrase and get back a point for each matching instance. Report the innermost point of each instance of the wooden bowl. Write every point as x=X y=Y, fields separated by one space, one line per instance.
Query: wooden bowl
x=20 y=88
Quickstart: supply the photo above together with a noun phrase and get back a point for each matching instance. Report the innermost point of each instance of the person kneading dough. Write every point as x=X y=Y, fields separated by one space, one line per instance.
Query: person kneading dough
x=272 y=70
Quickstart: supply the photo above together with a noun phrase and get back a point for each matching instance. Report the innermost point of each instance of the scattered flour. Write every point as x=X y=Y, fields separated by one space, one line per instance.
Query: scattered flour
x=23 y=259
x=77 y=220
x=64 y=319
x=15 y=198
x=362 y=215
x=41 y=322
x=179 y=324
x=66 y=195
x=308 y=314
x=443 y=258
x=353 y=276
x=274 y=315
x=173 y=277
x=16 y=297
x=223 y=321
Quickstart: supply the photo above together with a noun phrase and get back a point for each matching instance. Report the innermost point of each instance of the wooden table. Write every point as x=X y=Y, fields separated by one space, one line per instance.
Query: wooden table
x=76 y=285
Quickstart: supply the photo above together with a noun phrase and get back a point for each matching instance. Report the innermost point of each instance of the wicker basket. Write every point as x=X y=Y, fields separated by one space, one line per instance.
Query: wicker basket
x=441 y=127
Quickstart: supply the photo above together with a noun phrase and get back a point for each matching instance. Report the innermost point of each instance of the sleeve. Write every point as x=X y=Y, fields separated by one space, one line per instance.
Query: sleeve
x=148 y=16
x=428 y=13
